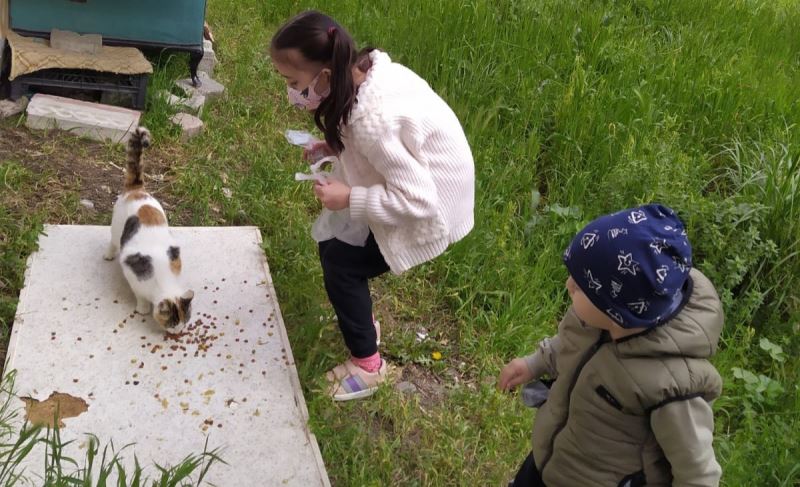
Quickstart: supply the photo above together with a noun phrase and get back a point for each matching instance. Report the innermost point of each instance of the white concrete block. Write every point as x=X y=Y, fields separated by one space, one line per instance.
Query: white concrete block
x=10 y=108
x=189 y=124
x=208 y=87
x=209 y=61
x=93 y=120
x=194 y=103
x=230 y=380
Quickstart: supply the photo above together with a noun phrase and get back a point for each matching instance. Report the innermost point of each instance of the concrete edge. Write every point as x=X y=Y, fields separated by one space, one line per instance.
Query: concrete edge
x=19 y=317
x=293 y=375
x=294 y=378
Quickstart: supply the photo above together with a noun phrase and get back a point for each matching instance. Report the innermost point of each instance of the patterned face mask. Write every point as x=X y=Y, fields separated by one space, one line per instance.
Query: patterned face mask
x=308 y=98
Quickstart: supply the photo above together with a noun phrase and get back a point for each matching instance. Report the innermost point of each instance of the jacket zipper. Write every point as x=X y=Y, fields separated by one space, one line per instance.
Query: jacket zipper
x=575 y=378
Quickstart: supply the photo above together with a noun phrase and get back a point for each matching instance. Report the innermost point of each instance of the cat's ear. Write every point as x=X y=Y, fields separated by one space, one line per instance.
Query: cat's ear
x=185 y=305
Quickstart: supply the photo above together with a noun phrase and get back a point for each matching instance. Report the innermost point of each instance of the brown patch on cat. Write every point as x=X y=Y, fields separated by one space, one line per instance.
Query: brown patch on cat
x=175 y=266
x=137 y=195
x=55 y=408
x=151 y=216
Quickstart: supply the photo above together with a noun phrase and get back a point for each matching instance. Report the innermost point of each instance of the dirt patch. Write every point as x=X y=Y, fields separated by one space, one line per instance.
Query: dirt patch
x=431 y=388
x=63 y=163
x=57 y=407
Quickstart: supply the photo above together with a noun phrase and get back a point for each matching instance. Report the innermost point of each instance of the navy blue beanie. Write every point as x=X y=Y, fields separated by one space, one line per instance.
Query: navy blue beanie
x=633 y=264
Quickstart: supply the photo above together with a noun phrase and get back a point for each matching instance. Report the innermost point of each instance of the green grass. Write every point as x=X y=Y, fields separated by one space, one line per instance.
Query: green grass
x=594 y=106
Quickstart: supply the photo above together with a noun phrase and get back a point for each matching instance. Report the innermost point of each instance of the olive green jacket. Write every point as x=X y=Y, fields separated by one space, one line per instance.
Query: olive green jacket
x=634 y=411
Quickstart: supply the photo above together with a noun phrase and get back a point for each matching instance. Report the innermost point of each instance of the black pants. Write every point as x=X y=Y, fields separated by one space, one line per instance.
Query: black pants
x=346 y=270
x=528 y=475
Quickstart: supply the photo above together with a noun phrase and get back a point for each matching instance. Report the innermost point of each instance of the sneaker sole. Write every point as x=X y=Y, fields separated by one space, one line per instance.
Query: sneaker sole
x=355 y=395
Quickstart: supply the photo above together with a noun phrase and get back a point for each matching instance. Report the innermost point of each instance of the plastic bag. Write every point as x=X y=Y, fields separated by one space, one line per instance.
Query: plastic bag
x=300 y=137
x=330 y=224
x=306 y=140
x=338 y=224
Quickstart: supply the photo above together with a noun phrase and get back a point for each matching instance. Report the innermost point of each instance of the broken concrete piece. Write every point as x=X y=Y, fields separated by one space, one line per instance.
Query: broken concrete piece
x=194 y=103
x=208 y=87
x=72 y=41
x=93 y=120
x=190 y=125
x=10 y=108
x=88 y=204
x=209 y=61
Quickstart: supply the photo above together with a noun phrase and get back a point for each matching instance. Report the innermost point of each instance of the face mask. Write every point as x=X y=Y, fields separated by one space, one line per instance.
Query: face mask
x=308 y=98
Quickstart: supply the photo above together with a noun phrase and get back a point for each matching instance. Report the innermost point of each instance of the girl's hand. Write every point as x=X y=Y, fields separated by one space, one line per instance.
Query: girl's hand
x=334 y=195
x=513 y=374
x=317 y=151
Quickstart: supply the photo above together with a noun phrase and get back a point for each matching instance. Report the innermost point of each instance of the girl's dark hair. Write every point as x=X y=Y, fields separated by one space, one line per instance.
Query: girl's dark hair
x=320 y=39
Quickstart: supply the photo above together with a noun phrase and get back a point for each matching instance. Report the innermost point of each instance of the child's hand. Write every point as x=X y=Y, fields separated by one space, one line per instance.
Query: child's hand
x=334 y=195
x=513 y=374
x=317 y=150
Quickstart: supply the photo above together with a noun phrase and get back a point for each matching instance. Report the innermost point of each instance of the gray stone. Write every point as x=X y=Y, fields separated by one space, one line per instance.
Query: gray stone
x=194 y=103
x=208 y=87
x=10 y=108
x=189 y=124
x=87 y=204
x=209 y=61
x=406 y=387
x=93 y=120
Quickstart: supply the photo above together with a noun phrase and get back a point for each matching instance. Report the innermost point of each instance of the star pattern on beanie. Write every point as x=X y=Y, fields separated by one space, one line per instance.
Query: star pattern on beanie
x=633 y=265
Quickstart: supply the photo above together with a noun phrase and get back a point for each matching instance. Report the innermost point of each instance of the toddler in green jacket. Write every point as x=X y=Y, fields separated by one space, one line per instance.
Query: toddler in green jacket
x=630 y=404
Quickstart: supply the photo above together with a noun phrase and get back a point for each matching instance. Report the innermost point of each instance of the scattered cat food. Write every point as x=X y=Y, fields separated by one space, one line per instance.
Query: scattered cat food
x=136 y=382
x=75 y=380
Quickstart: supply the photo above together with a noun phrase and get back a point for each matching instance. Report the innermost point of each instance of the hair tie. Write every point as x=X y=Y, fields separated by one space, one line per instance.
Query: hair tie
x=331 y=31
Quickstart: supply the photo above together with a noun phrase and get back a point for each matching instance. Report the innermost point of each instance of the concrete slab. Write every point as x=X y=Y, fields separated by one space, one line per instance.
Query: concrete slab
x=194 y=103
x=93 y=120
x=230 y=379
x=208 y=87
x=189 y=124
x=209 y=61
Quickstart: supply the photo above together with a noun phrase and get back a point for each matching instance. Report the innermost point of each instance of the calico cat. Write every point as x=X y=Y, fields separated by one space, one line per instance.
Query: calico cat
x=150 y=257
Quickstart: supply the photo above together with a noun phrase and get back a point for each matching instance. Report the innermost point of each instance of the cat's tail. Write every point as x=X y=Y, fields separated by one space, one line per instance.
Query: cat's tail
x=139 y=140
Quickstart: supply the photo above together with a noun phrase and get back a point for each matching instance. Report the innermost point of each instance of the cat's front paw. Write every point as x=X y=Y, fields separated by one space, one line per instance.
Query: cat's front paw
x=111 y=252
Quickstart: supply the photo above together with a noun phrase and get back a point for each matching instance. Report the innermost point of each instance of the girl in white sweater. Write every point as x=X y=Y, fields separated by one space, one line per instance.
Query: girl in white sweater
x=405 y=175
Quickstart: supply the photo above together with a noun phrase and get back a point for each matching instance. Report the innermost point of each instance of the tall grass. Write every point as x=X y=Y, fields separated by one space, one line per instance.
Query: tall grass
x=591 y=106
x=595 y=106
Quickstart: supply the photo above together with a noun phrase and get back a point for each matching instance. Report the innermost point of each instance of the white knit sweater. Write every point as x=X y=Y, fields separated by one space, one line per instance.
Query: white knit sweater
x=409 y=165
